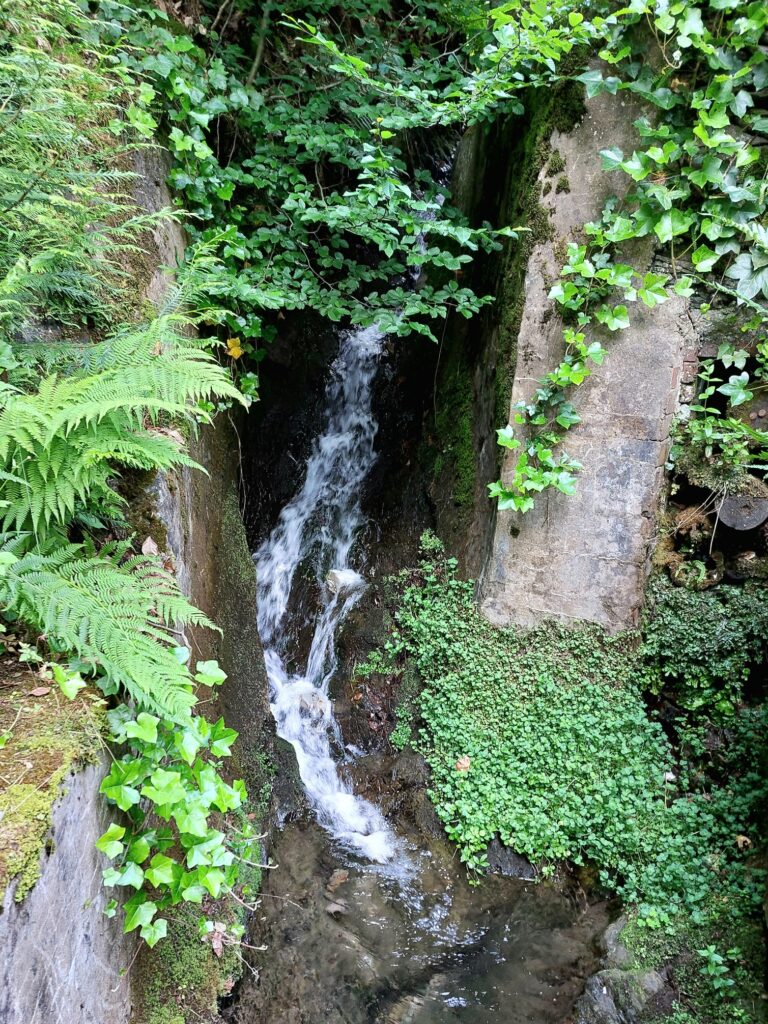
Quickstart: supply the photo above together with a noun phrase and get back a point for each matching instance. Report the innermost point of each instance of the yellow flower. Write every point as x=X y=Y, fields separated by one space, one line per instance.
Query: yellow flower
x=234 y=348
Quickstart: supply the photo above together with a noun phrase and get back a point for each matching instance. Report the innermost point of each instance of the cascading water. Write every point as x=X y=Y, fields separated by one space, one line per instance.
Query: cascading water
x=319 y=527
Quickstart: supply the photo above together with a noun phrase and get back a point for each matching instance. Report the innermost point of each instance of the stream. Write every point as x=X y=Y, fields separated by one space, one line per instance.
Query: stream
x=369 y=916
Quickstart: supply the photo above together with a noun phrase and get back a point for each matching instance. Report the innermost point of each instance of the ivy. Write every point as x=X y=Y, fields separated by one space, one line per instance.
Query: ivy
x=169 y=786
x=698 y=189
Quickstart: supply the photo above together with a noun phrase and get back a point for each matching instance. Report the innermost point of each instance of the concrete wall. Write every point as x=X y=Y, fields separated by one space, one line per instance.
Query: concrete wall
x=585 y=556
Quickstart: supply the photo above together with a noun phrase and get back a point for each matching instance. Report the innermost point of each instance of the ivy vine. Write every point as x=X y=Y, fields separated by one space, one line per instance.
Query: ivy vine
x=699 y=189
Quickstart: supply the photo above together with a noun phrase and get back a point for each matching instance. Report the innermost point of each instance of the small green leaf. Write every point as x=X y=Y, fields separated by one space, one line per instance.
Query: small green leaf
x=152 y=933
x=109 y=843
x=208 y=673
x=144 y=728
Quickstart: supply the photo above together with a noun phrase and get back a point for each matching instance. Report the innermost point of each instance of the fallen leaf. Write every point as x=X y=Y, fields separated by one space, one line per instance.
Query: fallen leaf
x=149 y=547
x=39 y=691
x=339 y=877
x=462 y=765
x=743 y=842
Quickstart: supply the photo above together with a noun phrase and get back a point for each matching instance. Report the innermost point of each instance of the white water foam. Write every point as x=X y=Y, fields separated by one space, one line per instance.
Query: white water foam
x=318 y=527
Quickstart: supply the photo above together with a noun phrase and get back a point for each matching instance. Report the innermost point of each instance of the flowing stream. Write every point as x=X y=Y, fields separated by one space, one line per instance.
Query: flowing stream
x=358 y=923
x=318 y=528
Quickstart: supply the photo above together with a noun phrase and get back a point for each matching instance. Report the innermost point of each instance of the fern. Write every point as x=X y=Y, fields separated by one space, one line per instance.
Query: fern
x=117 y=613
x=59 y=445
x=66 y=211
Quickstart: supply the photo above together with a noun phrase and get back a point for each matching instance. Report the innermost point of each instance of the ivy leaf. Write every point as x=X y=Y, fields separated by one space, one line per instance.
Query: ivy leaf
x=192 y=820
x=506 y=437
x=612 y=158
x=683 y=286
x=729 y=356
x=152 y=933
x=616 y=319
x=70 y=683
x=139 y=911
x=653 y=290
x=166 y=788
x=144 y=728
x=750 y=271
x=161 y=870
x=187 y=742
x=212 y=879
x=567 y=416
x=672 y=223
x=736 y=389
x=596 y=353
x=208 y=673
x=704 y=258
x=128 y=874
x=138 y=850
x=109 y=843
x=124 y=796
x=222 y=739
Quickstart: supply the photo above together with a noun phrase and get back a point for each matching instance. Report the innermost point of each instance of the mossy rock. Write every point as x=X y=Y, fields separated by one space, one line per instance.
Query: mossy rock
x=46 y=738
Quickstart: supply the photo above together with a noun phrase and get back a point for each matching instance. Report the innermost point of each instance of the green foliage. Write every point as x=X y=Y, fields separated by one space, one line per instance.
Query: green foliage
x=66 y=216
x=702 y=644
x=697 y=955
x=698 y=190
x=65 y=113
x=115 y=612
x=60 y=443
x=542 y=738
x=312 y=160
x=169 y=774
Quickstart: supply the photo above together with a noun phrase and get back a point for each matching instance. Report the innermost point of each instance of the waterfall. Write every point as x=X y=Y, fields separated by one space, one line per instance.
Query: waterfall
x=318 y=527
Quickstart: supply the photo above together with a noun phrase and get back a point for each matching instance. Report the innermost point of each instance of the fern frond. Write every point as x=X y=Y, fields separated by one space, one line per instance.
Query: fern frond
x=116 y=614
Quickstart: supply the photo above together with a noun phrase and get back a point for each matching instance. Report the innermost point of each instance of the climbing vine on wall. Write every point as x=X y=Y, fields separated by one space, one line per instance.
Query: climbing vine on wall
x=698 y=189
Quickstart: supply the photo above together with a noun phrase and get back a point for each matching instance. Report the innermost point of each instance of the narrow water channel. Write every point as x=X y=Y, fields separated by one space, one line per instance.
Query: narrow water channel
x=370 y=918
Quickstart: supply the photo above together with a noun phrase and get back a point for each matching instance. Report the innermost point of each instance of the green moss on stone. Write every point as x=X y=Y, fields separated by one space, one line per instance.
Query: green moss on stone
x=48 y=738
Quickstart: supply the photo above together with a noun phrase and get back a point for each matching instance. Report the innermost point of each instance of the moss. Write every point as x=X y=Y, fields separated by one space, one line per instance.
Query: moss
x=454 y=429
x=569 y=106
x=556 y=164
x=180 y=980
x=674 y=951
x=563 y=185
x=48 y=737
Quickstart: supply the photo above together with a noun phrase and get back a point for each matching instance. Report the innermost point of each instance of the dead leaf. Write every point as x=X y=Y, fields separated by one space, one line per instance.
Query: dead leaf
x=743 y=842
x=149 y=547
x=462 y=765
x=339 y=877
x=39 y=691
x=234 y=348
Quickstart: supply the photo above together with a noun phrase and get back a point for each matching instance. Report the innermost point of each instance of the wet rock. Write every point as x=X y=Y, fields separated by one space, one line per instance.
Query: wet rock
x=334 y=909
x=503 y=861
x=614 y=996
x=616 y=953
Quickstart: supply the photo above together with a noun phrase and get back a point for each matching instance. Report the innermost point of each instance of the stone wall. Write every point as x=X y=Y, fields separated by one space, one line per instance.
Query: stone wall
x=586 y=556
x=62 y=961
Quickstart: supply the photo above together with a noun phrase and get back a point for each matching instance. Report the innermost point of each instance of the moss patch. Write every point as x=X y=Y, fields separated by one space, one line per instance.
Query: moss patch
x=675 y=951
x=47 y=737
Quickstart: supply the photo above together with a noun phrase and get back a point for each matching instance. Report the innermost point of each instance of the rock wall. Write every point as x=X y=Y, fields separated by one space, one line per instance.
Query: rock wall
x=62 y=960
x=586 y=556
